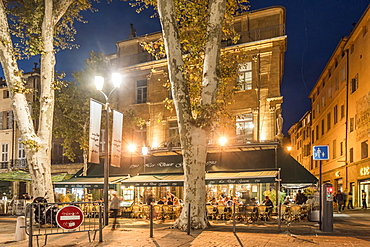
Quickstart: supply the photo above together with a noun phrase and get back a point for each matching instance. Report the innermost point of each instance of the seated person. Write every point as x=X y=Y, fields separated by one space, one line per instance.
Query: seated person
x=162 y=201
x=176 y=202
x=267 y=202
x=169 y=201
x=253 y=202
x=287 y=200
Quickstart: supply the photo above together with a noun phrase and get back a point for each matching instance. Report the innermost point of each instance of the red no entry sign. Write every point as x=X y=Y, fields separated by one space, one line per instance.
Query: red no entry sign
x=70 y=217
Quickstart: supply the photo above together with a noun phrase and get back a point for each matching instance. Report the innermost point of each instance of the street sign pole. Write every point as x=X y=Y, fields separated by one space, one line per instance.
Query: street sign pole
x=320 y=153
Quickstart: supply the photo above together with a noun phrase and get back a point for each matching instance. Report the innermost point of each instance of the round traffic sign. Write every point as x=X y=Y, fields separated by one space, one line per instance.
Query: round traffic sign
x=69 y=217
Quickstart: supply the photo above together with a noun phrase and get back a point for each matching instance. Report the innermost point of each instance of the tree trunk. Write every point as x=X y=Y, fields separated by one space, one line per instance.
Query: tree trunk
x=194 y=160
x=193 y=139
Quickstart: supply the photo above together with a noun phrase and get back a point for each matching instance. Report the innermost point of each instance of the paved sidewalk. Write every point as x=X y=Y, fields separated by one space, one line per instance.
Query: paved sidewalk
x=351 y=228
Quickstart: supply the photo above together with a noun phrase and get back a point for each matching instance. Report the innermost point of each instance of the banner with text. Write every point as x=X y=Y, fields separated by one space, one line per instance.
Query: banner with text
x=94 y=134
x=116 y=139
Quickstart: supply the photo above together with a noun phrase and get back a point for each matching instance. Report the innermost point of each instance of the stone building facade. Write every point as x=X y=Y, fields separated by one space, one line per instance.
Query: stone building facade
x=256 y=106
x=340 y=114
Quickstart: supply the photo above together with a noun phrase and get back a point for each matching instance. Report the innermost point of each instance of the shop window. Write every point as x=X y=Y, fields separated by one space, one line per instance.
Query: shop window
x=364 y=150
x=351 y=155
x=141 y=91
x=244 y=127
x=244 y=80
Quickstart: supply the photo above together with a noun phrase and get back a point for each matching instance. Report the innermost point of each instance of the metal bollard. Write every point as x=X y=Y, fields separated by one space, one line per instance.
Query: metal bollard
x=20 y=230
x=189 y=220
x=234 y=223
x=151 y=220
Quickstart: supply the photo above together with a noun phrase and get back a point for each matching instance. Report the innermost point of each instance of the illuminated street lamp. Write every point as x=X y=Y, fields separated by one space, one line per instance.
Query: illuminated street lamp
x=99 y=83
x=222 y=141
x=144 y=151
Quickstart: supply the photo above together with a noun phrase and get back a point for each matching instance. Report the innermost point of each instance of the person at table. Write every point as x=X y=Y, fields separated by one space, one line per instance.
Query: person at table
x=300 y=198
x=267 y=202
x=162 y=201
x=253 y=202
x=176 y=202
x=169 y=201
x=228 y=201
x=213 y=201
x=287 y=200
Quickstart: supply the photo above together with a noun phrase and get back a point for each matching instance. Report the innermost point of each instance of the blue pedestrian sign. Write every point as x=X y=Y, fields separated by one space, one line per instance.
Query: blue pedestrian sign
x=321 y=152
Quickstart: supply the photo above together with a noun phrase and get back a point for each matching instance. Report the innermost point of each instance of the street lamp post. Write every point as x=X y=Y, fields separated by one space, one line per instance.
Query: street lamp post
x=144 y=151
x=99 y=83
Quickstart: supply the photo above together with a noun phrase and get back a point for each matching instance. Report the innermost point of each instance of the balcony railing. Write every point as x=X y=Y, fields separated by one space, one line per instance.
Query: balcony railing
x=245 y=37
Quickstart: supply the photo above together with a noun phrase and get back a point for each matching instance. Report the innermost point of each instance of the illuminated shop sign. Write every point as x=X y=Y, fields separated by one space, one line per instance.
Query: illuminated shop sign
x=365 y=171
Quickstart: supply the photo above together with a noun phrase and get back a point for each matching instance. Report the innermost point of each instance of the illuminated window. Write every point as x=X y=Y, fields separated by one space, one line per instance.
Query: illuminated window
x=245 y=76
x=244 y=127
x=141 y=91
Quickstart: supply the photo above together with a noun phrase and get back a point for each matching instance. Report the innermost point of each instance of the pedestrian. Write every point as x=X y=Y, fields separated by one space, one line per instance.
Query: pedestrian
x=115 y=207
x=344 y=199
x=300 y=198
x=350 y=201
x=339 y=198
x=364 y=205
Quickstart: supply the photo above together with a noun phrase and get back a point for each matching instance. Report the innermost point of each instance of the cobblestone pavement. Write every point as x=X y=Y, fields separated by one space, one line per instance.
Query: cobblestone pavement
x=351 y=228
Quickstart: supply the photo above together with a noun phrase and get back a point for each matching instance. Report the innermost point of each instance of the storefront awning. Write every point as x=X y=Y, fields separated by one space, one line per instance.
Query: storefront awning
x=211 y=178
x=219 y=162
x=87 y=182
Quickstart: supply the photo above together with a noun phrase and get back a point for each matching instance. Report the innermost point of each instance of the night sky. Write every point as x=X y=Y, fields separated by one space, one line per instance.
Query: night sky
x=314 y=28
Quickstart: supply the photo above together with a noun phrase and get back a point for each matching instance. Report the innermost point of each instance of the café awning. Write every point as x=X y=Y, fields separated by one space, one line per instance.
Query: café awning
x=87 y=182
x=164 y=180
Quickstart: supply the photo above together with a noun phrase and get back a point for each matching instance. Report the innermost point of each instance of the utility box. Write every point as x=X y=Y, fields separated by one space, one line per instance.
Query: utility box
x=327 y=207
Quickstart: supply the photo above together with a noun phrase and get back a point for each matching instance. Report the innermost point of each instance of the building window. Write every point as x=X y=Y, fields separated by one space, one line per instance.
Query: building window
x=329 y=92
x=245 y=77
x=323 y=101
x=341 y=111
x=244 y=127
x=1 y=120
x=334 y=149
x=343 y=74
x=312 y=136
x=354 y=84
x=364 y=150
x=322 y=127
x=351 y=155
x=141 y=91
x=329 y=121
x=9 y=120
x=351 y=124
x=352 y=48
x=173 y=132
x=317 y=132
x=21 y=150
x=341 y=148
x=4 y=156
x=335 y=113
x=6 y=94
x=318 y=108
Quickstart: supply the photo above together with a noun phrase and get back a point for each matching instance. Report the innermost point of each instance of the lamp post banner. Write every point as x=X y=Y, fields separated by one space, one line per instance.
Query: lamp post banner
x=116 y=138
x=94 y=134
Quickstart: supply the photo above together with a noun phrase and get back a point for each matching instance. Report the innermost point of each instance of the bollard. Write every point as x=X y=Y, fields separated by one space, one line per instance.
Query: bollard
x=151 y=220
x=20 y=230
x=189 y=220
x=234 y=222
